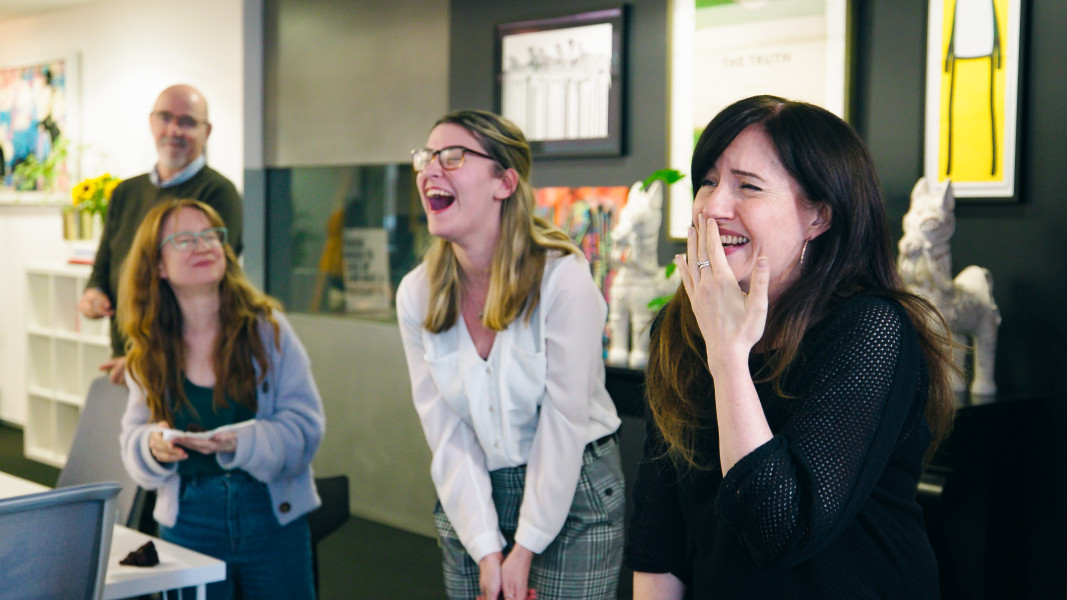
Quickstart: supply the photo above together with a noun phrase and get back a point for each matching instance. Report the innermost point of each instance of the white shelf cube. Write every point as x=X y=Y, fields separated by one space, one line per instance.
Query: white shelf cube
x=64 y=351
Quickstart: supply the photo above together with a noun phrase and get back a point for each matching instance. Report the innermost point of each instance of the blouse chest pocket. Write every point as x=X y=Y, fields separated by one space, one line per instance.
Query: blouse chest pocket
x=444 y=370
x=525 y=370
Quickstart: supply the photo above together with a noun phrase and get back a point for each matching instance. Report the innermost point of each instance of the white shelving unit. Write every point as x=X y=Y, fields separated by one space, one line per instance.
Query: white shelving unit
x=64 y=350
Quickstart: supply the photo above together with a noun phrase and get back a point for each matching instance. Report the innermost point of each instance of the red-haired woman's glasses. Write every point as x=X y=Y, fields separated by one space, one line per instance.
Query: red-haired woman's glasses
x=186 y=241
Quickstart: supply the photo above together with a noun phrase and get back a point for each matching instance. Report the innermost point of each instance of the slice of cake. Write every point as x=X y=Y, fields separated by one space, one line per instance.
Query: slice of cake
x=145 y=556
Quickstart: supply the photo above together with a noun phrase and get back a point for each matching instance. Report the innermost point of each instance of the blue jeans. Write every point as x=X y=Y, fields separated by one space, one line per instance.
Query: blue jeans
x=230 y=517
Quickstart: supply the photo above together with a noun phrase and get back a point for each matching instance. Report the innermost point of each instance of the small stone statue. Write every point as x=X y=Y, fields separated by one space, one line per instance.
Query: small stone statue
x=966 y=301
x=639 y=278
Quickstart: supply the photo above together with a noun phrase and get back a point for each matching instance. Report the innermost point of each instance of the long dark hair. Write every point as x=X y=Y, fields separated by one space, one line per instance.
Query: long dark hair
x=830 y=163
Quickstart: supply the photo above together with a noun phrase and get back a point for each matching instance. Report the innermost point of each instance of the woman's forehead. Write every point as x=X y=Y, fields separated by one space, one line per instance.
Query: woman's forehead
x=451 y=134
x=186 y=218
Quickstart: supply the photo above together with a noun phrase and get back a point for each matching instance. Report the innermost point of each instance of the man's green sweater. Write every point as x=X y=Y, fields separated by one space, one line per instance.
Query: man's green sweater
x=130 y=202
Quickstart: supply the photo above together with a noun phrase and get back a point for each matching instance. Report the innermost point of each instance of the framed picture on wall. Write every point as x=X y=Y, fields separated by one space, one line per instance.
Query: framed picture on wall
x=972 y=97
x=726 y=50
x=561 y=80
x=38 y=123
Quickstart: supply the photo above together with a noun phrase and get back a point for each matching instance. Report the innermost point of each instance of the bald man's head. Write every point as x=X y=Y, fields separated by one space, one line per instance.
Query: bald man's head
x=180 y=127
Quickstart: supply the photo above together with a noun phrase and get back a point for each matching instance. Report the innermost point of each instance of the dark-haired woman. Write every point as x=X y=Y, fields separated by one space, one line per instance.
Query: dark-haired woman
x=205 y=349
x=502 y=327
x=794 y=384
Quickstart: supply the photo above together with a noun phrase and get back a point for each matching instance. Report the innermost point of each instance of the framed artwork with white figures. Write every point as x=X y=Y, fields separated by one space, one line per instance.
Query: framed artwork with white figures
x=560 y=79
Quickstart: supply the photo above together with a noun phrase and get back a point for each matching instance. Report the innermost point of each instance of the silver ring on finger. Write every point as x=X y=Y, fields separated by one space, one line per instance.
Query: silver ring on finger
x=702 y=264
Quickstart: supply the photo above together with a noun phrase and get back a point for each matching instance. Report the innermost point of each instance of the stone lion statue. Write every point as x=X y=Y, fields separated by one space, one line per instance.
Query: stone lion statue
x=639 y=278
x=966 y=301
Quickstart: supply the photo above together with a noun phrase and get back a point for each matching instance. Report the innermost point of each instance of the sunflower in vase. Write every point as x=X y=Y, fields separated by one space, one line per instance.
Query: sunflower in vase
x=90 y=198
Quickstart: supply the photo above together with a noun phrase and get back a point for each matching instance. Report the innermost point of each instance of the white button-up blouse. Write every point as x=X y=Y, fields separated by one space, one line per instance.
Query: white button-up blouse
x=537 y=400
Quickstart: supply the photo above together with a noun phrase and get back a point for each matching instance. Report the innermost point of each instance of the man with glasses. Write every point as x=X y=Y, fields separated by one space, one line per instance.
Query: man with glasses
x=180 y=127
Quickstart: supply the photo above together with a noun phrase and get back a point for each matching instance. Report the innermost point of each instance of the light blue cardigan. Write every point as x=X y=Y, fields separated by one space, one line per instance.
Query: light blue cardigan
x=277 y=449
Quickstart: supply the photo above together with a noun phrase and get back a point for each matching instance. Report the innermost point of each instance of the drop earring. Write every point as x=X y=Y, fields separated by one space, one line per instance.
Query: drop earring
x=803 y=250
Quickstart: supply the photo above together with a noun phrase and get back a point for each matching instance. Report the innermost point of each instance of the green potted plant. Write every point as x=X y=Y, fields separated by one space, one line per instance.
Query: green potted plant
x=33 y=174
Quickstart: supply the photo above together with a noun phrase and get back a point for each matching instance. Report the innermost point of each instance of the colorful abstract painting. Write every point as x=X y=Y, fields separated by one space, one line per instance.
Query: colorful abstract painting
x=34 y=102
x=587 y=214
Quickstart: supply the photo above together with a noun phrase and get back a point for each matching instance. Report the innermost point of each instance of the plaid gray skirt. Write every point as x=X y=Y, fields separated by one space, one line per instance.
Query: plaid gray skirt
x=583 y=562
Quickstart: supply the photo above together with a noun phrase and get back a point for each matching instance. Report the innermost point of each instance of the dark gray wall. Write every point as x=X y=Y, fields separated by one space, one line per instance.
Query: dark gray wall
x=348 y=82
x=1024 y=244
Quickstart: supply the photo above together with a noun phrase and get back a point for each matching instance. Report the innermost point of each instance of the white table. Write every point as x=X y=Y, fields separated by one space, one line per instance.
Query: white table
x=11 y=486
x=178 y=567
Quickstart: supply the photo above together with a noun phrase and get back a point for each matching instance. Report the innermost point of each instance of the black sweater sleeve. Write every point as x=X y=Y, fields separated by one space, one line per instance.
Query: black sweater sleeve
x=790 y=497
x=657 y=534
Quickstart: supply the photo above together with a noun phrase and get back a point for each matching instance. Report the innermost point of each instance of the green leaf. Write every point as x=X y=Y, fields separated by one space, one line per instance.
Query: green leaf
x=667 y=176
x=33 y=172
x=657 y=303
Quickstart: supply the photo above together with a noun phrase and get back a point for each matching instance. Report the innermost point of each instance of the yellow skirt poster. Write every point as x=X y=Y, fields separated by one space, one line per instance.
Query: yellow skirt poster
x=972 y=96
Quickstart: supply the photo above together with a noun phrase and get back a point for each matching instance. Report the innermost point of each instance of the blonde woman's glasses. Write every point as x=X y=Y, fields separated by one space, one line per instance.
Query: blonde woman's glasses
x=186 y=241
x=450 y=158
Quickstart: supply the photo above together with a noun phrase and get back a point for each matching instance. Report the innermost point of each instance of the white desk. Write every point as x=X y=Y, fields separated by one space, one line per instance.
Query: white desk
x=178 y=567
x=11 y=486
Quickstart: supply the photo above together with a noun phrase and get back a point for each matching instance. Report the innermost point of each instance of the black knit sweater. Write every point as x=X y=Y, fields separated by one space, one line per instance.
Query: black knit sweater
x=825 y=509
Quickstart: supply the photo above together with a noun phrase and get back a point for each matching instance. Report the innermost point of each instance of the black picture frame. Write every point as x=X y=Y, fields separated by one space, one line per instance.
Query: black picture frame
x=561 y=80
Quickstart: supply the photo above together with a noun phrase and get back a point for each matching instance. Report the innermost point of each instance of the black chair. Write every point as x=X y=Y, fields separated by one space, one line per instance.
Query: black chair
x=95 y=455
x=329 y=517
x=55 y=544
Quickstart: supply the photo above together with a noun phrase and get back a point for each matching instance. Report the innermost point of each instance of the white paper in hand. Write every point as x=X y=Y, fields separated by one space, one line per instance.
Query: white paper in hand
x=171 y=434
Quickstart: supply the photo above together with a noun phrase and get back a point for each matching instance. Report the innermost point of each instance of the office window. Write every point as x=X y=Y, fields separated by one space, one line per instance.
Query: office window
x=339 y=239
